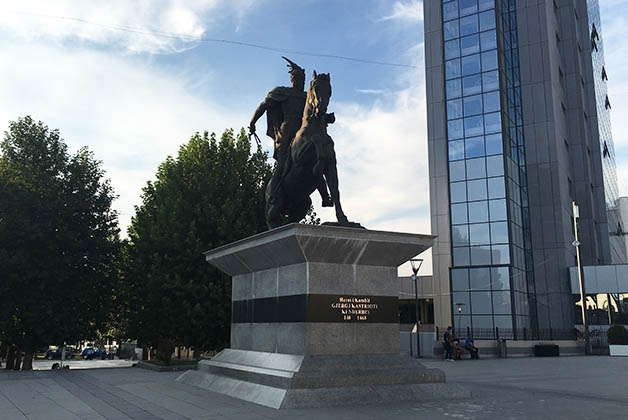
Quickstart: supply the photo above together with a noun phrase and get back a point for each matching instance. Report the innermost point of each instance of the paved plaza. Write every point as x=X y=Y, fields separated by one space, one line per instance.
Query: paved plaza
x=525 y=388
x=43 y=364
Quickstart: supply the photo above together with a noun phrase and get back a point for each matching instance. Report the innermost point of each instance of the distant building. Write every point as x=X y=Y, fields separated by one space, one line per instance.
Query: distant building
x=407 y=299
x=518 y=129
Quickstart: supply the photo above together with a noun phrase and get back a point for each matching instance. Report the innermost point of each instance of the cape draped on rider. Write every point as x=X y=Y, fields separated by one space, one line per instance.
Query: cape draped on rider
x=274 y=114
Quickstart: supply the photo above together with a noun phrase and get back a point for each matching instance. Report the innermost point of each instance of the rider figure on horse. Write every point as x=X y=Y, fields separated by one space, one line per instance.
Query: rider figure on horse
x=284 y=111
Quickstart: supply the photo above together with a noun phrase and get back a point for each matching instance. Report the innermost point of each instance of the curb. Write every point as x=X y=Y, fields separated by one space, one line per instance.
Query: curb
x=157 y=368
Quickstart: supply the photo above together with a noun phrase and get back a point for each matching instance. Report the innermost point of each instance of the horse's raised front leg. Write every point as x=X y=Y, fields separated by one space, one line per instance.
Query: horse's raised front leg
x=322 y=190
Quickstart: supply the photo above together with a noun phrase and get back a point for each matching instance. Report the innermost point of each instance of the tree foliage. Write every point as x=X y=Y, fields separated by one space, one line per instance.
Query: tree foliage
x=311 y=218
x=211 y=194
x=58 y=239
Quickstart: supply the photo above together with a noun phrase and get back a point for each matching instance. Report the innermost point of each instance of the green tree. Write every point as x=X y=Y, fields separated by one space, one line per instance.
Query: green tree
x=311 y=218
x=211 y=194
x=58 y=238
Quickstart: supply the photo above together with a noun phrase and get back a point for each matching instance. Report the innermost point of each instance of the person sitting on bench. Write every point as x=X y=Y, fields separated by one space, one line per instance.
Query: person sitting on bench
x=470 y=347
x=457 y=349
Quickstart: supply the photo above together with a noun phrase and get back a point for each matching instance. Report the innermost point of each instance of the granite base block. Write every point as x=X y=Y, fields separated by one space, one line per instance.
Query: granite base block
x=372 y=394
x=315 y=320
x=161 y=368
x=248 y=391
x=291 y=381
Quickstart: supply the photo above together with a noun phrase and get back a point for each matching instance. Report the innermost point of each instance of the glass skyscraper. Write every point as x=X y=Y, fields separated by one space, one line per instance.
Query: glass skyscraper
x=505 y=137
x=603 y=103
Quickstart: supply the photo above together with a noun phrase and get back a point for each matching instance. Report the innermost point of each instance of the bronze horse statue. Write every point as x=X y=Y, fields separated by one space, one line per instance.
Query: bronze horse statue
x=312 y=162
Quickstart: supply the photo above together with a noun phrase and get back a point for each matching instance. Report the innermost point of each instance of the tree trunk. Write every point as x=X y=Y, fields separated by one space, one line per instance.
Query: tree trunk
x=165 y=348
x=18 y=359
x=27 y=363
x=3 y=352
x=10 y=358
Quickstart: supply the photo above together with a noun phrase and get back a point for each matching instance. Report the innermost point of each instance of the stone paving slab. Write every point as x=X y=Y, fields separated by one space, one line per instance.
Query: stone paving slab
x=595 y=377
x=529 y=388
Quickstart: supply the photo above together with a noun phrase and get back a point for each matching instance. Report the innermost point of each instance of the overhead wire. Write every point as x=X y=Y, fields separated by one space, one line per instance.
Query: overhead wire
x=190 y=38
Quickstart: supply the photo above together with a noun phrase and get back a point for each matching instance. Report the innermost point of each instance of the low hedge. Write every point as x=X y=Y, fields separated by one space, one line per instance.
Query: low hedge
x=617 y=335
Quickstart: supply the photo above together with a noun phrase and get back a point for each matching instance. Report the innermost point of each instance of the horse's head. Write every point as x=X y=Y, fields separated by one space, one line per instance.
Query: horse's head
x=318 y=95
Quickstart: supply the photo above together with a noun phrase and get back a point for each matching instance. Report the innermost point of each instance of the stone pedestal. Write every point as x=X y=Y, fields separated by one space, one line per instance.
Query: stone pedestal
x=315 y=320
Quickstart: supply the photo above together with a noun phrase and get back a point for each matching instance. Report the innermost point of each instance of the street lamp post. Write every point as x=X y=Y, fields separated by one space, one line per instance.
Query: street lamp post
x=416 y=265
x=609 y=309
x=576 y=244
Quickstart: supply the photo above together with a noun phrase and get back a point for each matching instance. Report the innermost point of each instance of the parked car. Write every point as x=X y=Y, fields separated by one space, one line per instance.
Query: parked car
x=101 y=353
x=56 y=354
x=88 y=353
x=40 y=353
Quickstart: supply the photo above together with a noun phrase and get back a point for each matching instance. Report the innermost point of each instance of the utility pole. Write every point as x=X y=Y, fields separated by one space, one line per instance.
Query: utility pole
x=583 y=296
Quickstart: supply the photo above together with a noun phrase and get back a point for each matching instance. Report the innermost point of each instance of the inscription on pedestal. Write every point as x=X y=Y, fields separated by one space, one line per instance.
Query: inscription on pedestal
x=347 y=308
x=355 y=308
x=317 y=308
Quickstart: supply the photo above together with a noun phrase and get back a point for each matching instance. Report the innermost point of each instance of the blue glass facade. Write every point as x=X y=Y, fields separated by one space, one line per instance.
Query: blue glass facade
x=491 y=271
x=611 y=191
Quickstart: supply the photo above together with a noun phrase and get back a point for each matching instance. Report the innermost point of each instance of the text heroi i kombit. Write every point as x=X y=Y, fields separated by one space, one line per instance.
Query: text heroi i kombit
x=358 y=308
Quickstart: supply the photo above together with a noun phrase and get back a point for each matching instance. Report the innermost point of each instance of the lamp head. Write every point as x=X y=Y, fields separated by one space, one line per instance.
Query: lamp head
x=416 y=265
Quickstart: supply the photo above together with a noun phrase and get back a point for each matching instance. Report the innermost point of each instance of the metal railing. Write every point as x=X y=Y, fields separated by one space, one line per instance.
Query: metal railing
x=496 y=333
x=599 y=342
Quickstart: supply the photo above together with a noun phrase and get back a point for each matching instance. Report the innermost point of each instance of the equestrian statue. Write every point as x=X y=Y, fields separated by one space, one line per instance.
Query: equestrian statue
x=304 y=152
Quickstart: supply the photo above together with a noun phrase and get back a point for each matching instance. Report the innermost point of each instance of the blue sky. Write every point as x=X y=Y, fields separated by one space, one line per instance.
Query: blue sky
x=135 y=98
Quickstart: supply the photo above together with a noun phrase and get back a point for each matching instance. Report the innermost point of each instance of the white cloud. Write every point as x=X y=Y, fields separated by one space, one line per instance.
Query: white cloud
x=123 y=23
x=131 y=115
x=412 y=11
x=371 y=91
x=382 y=159
x=418 y=223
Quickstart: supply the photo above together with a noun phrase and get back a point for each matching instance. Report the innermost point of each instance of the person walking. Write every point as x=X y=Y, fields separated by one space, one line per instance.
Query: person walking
x=447 y=344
